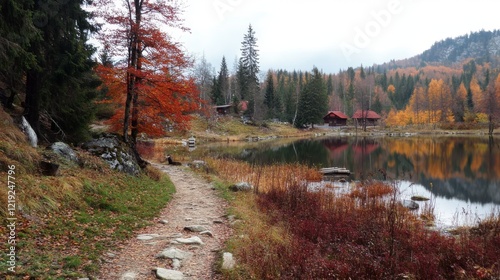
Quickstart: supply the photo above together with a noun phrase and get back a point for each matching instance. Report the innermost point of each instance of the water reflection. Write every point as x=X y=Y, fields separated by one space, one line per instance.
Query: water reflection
x=462 y=174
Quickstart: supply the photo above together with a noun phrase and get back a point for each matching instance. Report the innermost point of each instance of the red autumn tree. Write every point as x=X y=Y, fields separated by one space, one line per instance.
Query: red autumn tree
x=148 y=76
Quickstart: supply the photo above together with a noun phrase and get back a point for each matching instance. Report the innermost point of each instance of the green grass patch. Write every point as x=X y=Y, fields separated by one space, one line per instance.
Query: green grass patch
x=68 y=242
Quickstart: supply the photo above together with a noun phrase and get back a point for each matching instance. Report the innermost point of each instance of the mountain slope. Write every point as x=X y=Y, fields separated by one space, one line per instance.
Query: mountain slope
x=483 y=46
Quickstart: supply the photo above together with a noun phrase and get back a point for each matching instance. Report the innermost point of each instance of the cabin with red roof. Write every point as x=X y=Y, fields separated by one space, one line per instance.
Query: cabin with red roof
x=335 y=118
x=367 y=116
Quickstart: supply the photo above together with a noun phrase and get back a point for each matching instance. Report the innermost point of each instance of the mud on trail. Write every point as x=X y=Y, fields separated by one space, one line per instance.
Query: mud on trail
x=195 y=202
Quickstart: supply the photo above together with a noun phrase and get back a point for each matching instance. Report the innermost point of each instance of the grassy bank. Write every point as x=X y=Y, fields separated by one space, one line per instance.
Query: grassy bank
x=227 y=128
x=291 y=233
x=65 y=223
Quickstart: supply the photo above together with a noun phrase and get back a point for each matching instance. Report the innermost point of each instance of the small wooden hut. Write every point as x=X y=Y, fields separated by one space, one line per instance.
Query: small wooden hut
x=335 y=118
x=223 y=109
x=367 y=116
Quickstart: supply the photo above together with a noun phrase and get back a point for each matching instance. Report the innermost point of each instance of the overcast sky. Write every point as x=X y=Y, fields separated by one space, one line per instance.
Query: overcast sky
x=331 y=35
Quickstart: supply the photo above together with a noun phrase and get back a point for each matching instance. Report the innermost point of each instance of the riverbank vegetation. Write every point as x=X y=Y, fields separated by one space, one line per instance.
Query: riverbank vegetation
x=65 y=223
x=290 y=232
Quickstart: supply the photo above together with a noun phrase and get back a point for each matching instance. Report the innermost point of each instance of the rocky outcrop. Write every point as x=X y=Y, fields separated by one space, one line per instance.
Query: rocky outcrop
x=115 y=152
x=65 y=151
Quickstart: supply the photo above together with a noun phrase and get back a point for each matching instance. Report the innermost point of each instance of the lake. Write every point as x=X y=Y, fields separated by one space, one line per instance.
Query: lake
x=460 y=174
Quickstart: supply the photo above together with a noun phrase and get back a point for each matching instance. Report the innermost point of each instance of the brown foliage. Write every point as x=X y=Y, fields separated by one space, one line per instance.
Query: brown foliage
x=366 y=234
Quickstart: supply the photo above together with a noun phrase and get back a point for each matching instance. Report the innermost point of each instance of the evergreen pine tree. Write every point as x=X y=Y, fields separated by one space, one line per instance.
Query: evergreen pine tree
x=329 y=85
x=249 y=69
x=216 y=92
x=60 y=82
x=313 y=103
x=17 y=32
x=269 y=94
x=223 y=82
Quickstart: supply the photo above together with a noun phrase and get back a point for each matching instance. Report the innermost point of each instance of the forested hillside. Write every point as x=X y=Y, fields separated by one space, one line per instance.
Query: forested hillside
x=454 y=82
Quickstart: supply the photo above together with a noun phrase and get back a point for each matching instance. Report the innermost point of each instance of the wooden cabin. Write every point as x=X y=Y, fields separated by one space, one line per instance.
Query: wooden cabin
x=370 y=117
x=223 y=109
x=335 y=118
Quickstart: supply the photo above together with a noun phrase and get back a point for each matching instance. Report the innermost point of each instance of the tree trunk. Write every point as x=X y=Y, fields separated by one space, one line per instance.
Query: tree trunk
x=32 y=101
x=137 y=49
x=10 y=100
x=491 y=126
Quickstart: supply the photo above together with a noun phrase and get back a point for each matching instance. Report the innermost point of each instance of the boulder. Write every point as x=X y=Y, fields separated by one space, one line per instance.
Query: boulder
x=115 y=152
x=241 y=187
x=64 y=151
x=228 y=262
x=412 y=205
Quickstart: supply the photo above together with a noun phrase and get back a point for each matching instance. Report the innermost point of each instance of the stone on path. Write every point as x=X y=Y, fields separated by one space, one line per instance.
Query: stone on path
x=194 y=240
x=174 y=253
x=207 y=233
x=129 y=276
x=228 y=262
x=145 y=237
x=195 y=228
x=168 y=274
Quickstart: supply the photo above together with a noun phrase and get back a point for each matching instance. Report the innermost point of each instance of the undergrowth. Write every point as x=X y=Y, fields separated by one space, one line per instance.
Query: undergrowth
x=290 y=232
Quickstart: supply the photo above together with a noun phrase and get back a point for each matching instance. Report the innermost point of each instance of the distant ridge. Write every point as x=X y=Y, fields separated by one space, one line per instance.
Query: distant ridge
x=482 y=46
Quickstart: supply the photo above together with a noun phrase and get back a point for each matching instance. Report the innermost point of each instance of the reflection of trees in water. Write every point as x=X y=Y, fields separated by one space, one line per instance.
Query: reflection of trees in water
x=474 y=191
x=464 y=168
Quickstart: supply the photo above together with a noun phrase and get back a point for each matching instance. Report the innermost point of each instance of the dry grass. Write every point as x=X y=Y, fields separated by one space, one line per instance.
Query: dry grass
x=264 y=178
x=292 y=233
x=232 y=129
x=65 y=222
x=14 y=147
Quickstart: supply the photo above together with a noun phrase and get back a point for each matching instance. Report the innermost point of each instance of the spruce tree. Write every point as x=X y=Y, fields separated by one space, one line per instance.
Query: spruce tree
x=313 y=103
x=269 y=94
x=46 y=43
x=249 y=69
x=223 y=81
x=17 y=32
x=216 y=92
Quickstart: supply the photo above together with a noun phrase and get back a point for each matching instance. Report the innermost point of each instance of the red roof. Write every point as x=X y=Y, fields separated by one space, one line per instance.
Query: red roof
x=365 y=114
x=337 y=114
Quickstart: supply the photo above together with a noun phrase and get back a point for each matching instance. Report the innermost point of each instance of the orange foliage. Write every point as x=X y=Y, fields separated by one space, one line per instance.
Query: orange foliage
x=391 y=89
x=477 y=94
x=153 y=72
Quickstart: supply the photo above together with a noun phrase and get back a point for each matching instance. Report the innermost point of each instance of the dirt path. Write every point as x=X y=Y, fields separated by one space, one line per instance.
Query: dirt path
x=194 y=203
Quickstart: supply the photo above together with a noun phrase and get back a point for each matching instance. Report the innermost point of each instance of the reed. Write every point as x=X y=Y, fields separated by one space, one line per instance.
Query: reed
x=363 y=234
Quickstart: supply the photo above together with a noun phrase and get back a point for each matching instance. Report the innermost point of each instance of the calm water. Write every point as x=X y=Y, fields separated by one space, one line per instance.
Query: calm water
x=461 y=175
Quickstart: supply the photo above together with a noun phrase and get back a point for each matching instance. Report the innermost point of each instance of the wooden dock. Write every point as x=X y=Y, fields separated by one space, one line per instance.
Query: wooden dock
x=335 y=171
